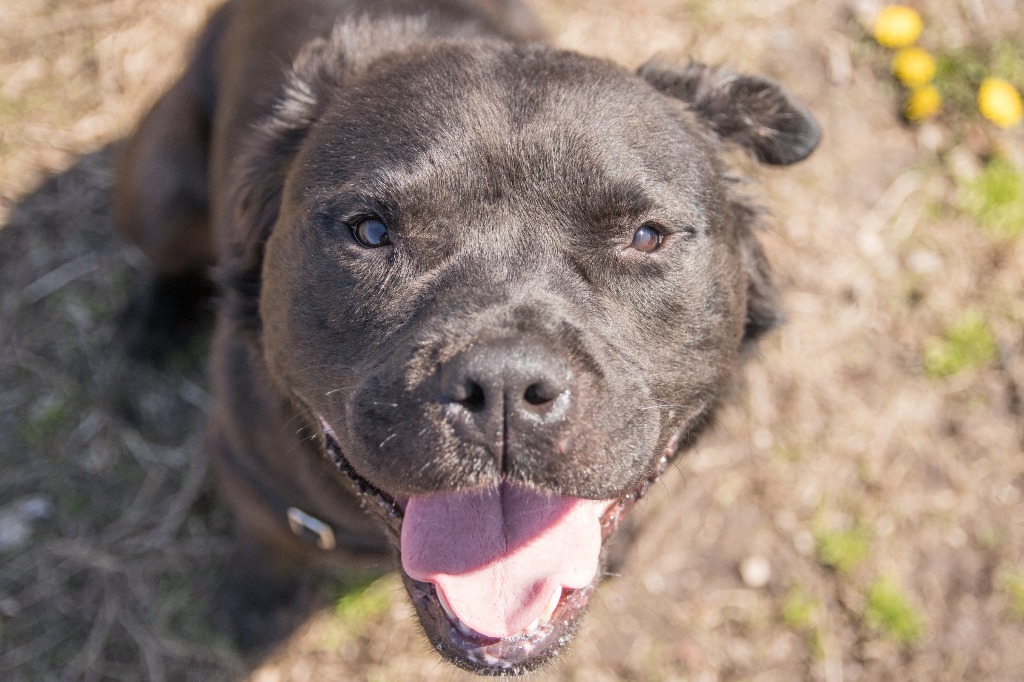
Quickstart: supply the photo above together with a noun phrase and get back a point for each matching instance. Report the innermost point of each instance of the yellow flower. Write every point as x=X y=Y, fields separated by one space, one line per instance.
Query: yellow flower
x=1000 y=102
x=913 y=66
x=923 y=102
x=897 y=26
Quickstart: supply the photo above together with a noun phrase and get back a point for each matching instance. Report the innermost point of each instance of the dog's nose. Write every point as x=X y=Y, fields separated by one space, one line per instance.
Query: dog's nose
x=513 y=380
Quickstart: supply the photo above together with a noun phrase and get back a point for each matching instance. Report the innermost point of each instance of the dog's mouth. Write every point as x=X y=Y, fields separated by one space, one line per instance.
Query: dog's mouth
x=499 y=576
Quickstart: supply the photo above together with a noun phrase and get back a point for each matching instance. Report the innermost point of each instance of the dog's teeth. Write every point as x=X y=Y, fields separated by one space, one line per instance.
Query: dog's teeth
x=446 y=607
x=549 y=608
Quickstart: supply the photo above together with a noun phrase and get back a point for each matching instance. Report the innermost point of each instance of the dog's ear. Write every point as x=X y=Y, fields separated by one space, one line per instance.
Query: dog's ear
x=753 y=112
x=759 y=116
x=258 y=177
x=320 y=70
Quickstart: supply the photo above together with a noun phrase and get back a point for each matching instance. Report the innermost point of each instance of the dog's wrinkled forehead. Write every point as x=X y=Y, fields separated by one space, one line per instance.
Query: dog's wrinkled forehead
x=509 y=128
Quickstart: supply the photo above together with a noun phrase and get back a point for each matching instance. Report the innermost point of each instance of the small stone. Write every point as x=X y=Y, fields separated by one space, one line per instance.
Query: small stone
x=654 y=582
x=16 y=520
x=931 y=136
x=14 y=532
x=755 y=571
x=956 y=537
x=9 y=607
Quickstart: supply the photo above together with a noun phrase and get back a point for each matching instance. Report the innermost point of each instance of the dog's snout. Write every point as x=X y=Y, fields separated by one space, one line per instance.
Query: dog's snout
x=507 y=380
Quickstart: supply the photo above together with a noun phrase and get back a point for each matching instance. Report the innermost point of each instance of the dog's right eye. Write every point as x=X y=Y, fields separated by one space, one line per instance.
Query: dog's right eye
x=371 y=233
x=647 y=238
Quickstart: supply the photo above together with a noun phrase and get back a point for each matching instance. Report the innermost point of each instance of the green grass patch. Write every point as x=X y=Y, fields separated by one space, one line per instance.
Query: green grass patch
x=1008 y=60
x=992 y=539
x=75 y=503
x=799 y=609
x=968 y=343
x=843 y=550
x=45 y=96
x=12 y=109
x=996 y=198
x=959 y=72
x=889 y=611
x=786 y=453
x=1012 y=583
x=42 y=427
x=802 y=612
x=365 y=600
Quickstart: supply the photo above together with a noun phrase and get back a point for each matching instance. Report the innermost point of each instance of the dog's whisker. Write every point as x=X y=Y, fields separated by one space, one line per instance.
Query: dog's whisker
x=302 y=412
x=311 y=368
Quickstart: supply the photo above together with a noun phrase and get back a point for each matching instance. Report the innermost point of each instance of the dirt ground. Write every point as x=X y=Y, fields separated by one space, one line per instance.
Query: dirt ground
x=855 y=514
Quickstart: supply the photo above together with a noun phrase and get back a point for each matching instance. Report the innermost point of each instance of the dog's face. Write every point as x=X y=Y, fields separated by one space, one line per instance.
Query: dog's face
x=510 y=283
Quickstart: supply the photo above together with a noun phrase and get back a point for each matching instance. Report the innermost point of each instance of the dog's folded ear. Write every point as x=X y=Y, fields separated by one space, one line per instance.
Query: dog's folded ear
x=754 y=113
x=759 y=116
x=262 y=166
x=319 y=71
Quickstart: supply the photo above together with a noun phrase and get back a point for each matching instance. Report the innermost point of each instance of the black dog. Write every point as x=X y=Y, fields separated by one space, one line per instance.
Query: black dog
x=499 y=285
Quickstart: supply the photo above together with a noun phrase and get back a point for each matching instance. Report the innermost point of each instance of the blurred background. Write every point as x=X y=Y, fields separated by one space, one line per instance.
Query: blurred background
x=855 y=514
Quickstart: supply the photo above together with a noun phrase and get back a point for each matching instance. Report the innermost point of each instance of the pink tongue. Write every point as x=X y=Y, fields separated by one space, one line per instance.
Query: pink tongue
x=498 y=554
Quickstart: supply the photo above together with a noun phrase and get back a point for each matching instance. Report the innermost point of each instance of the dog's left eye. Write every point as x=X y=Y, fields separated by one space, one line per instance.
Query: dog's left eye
x=371 y=233
x=647 y=238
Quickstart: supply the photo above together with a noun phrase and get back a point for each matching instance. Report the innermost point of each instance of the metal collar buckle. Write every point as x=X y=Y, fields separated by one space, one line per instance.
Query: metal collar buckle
x=311 y=529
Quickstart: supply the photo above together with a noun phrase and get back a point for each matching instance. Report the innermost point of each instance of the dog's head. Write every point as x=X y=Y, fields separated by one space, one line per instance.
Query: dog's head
x=511 y=283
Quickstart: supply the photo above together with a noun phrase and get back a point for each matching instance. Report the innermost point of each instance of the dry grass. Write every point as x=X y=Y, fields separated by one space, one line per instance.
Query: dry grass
x=886 y=499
